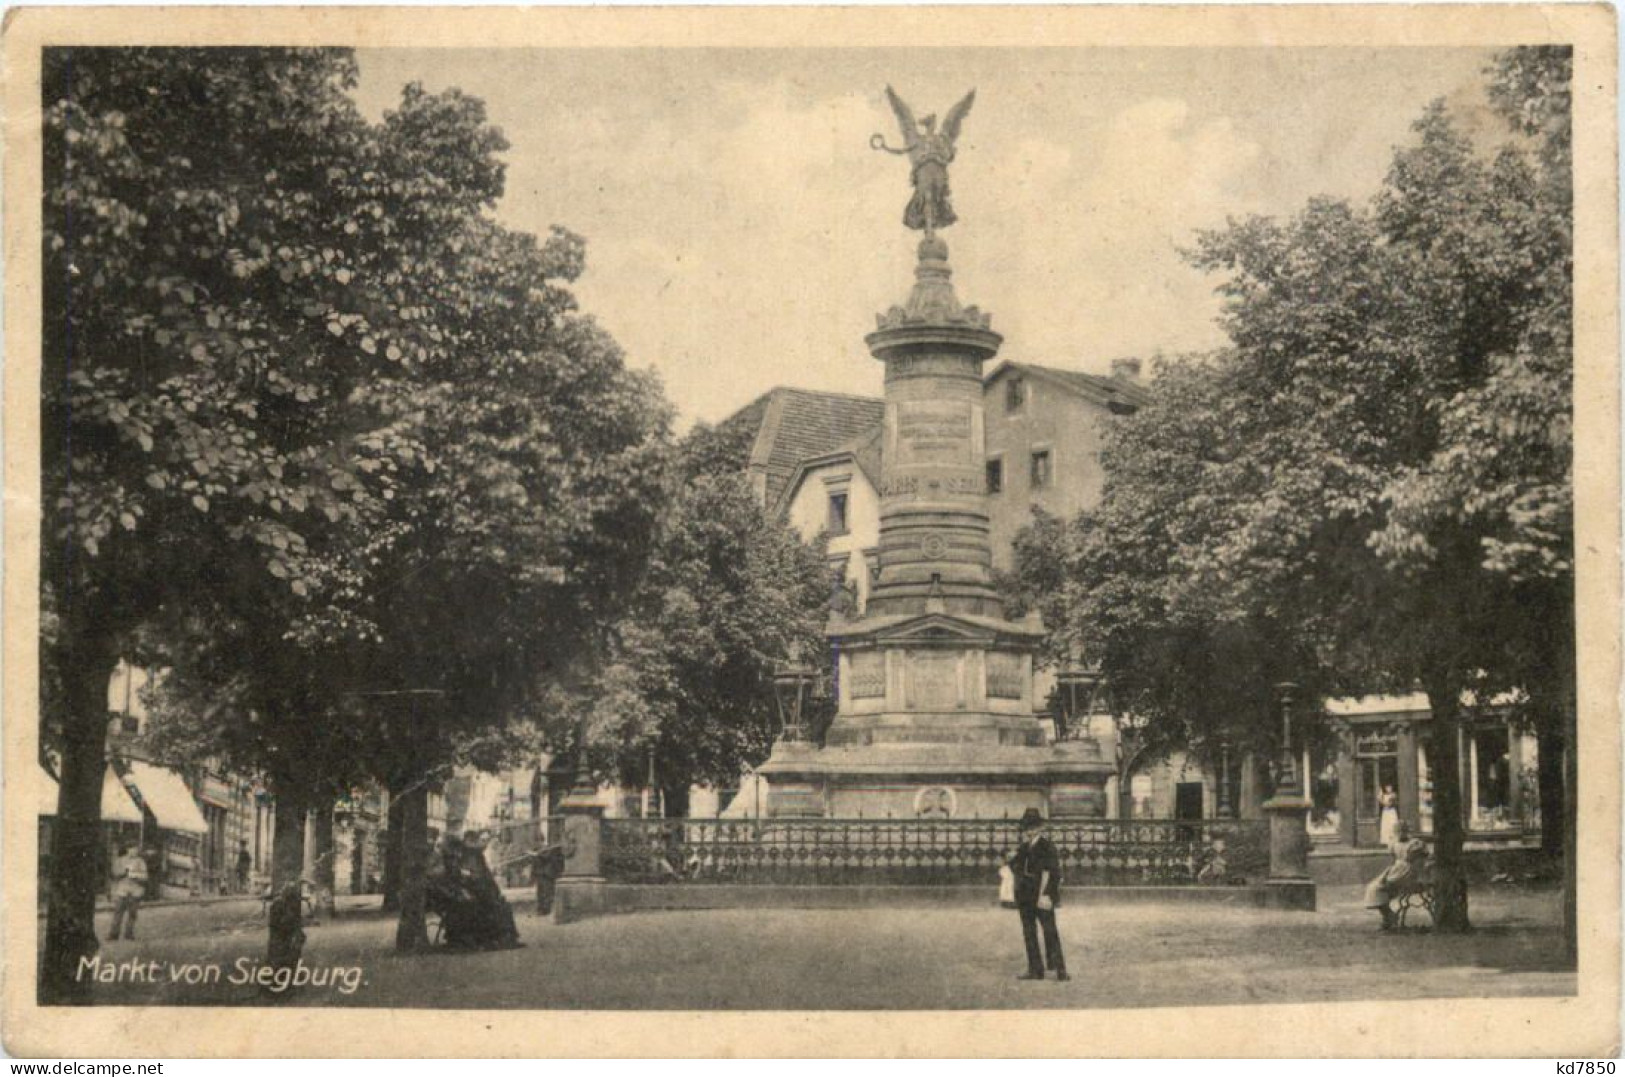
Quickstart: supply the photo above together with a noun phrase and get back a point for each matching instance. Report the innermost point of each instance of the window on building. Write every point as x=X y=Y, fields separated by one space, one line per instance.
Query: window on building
x=1015 y=394
x=1424 y=790
x=995 y=475
x=1140 y=789
x=1325 y=817
x=1489 y=762
x=837 y=514
x=1042 y=470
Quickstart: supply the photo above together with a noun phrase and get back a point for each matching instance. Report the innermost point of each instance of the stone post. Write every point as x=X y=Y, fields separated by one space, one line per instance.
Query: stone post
x=581 y=887
x=1290 y=886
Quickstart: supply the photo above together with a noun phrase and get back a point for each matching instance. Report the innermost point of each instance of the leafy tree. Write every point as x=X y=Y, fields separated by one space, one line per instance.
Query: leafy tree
x=1372 y=488
x=202 y=322
x=1181 y=667
x=729 y=595
x=287 y=345
x=1371 y=346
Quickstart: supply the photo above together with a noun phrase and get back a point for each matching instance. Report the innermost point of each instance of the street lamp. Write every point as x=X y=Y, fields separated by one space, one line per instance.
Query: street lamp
x=1076 y=700
x=793 y=683
x=1286 y=781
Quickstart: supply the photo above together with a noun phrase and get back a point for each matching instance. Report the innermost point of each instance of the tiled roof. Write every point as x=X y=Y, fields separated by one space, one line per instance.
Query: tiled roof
x=1092 y=385
x=864 y=450
x=797 y=424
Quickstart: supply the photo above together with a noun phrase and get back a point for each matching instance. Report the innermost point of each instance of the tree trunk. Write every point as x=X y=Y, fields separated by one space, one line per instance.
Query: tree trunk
x=85 y=662
x=412 y=933
x=1551 y=780
x=1449 y=833
x=1568 y=689
x=392 y=849
x=284 y=939
x=323 y=872
x=674 y=801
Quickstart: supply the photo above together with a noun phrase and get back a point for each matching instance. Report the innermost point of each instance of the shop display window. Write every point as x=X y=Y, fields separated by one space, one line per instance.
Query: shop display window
x=1325 y=820
x=1490 y=765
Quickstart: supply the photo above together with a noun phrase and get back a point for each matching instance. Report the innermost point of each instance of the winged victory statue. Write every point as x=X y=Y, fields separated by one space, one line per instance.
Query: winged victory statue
x=930 y=150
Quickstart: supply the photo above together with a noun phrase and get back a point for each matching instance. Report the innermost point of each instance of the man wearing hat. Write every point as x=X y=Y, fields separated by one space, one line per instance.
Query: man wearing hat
x=1037 y=869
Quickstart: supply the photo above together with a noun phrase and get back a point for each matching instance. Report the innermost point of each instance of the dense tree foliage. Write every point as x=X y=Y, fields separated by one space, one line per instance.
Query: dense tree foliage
x=314 y=424
x=1372 y=487
x=202 y=327
x=685 y=691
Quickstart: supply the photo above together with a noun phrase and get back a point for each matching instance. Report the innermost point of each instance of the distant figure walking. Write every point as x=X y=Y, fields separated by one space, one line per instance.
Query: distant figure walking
x=1406 y=875
x=245 y=865
x=129 y=887
x=1037 y=869
x=1388 y=817
x=549 y=866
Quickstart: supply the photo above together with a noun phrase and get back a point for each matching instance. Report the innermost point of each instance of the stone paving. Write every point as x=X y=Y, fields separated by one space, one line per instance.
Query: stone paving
x=1120 y=956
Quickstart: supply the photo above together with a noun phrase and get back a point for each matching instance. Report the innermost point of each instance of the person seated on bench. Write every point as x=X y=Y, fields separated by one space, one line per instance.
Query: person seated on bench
x=447 y=895
x=1406 y=875
x=491 y=924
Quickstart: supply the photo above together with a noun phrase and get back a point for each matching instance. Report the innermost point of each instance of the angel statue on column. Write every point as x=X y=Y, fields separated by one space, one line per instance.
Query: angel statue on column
x=929 y=150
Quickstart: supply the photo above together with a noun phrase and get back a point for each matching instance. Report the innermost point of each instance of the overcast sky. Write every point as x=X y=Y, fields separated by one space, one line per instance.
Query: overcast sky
x=741 y=234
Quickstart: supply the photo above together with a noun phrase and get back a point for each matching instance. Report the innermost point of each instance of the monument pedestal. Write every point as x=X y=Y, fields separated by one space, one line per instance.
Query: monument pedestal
x=968 y=781
x=580 y=890
x=1289 y=881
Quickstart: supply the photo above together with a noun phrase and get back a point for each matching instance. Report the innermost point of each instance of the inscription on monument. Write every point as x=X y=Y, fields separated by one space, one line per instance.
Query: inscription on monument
x=933 y=432
x=933 y=680
x=913 y=485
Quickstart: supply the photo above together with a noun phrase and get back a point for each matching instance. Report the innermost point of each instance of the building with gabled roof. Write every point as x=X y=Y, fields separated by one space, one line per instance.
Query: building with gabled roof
x=1044 y=426
x=795 y=425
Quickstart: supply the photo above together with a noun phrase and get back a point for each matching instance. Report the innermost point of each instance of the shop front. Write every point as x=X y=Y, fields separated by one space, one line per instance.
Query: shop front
x=175 y=829
x=121 y=823
x=1377 y=755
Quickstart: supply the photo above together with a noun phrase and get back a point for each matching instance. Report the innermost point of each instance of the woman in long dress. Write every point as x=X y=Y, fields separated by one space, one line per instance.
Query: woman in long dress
x=1407 y=873
x=1388 y=817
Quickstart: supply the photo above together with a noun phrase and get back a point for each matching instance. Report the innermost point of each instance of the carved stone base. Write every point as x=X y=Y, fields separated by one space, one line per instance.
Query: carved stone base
x=936 y=781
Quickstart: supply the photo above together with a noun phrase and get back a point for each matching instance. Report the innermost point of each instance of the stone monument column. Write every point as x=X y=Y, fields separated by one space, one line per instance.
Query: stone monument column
x=935 y=543
x=935 y=715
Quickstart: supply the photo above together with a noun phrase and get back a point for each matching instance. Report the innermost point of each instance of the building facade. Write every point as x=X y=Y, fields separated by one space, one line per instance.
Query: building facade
x=1379 y=743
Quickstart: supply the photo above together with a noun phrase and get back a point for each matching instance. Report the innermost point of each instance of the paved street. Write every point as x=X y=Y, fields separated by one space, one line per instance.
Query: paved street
x=892 y=959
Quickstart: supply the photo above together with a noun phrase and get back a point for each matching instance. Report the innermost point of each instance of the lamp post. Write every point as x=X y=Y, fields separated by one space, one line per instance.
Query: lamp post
x=1076 y=699
x=1288 y=811
x=792 y=685
x=1286 y=780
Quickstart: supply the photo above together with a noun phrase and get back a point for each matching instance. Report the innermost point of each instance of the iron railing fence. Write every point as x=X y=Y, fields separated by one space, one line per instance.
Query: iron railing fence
x=1102 y=852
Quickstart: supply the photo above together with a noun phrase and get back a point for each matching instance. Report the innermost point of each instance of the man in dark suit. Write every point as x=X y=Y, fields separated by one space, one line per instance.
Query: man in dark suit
x=1037 y=869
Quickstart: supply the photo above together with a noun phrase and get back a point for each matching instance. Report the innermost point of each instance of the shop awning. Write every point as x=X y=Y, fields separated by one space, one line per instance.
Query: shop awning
x=117 y=807
x=167 y=797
